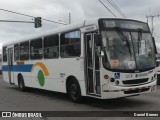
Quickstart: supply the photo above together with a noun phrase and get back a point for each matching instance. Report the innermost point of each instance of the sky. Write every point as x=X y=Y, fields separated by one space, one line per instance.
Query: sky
x=58 y=10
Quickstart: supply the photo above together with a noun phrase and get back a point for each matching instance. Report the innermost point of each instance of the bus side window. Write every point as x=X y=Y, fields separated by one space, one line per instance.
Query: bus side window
x=24 y=51
x=36 y=51
x=70 y=44
x=4 y=54
x=51 y=46
x=16 y=52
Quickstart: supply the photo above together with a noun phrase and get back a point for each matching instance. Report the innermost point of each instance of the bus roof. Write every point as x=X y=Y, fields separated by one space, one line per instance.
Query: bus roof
x=70 y=27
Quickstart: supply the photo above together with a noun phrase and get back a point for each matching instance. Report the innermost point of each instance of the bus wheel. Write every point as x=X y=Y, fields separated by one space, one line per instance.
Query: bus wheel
x=158 y=79
x=21 y=84
x=74 y=91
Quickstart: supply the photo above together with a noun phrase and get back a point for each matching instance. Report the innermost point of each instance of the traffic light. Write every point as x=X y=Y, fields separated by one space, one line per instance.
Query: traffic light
x=37 y=22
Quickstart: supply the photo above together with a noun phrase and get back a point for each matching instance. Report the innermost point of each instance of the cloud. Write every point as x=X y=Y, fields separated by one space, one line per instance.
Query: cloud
x=58 y=10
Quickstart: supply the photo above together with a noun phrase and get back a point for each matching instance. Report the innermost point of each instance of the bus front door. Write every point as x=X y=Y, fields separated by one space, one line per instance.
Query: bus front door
x=92 y=66
x=10 y=66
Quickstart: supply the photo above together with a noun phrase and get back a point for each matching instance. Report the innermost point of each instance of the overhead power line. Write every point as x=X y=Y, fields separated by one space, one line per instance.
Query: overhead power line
x=31 y=16
x=115 y=6
x=107 y=8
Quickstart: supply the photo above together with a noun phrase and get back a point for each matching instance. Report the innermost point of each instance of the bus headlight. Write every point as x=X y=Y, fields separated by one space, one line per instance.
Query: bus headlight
x=117 y=82
x=106 y=77
x=112 y=80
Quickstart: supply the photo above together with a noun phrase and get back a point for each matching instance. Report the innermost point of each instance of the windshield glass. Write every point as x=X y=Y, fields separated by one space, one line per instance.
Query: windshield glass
x=128 y=50
x=144 y=50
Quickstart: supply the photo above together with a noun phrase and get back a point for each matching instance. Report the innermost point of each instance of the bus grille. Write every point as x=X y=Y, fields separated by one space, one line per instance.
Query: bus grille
x=136 y=91
x=133 y=82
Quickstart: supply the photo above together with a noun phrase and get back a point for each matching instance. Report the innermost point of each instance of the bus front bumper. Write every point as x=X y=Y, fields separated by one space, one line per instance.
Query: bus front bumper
x=111 y=92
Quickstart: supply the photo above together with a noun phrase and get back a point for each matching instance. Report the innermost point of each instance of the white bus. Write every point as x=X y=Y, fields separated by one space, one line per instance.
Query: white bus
x=102 y=58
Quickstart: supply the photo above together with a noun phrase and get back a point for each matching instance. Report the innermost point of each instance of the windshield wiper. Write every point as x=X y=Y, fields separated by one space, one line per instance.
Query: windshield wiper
x=124 y=39
x=139 y=38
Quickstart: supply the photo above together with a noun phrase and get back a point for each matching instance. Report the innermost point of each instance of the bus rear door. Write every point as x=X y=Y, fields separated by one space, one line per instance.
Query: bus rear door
x=10 y=65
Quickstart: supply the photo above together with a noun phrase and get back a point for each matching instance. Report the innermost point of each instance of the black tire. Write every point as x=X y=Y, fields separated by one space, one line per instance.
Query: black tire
x=21 y=84
x=74 y=91
x=158 y=79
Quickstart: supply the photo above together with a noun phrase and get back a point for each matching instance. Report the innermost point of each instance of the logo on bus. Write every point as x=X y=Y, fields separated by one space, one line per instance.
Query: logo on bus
x=41 y=73
x=117 y=76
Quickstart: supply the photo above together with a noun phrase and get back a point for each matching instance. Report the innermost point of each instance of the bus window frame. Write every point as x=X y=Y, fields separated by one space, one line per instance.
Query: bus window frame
x=51 y=47
x=36 y=39
x=18 y=52
x=28 y=50
x=61 y=35
x=4 y=47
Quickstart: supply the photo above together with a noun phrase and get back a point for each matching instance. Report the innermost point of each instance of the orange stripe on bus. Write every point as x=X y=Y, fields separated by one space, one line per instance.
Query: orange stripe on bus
x=44 y=68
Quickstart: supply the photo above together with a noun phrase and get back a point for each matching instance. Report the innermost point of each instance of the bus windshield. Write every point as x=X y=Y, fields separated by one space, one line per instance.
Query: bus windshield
x=127 y=50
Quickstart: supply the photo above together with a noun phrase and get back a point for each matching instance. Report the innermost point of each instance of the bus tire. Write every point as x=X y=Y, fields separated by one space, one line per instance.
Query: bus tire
x=21 y=84
x=74 y=91
x=158 y=79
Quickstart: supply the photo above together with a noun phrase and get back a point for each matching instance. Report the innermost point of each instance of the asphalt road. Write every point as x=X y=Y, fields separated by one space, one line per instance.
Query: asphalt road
x=11 y=99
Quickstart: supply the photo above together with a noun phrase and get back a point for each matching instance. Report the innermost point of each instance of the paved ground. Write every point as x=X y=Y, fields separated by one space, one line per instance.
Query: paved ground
x=11 y=99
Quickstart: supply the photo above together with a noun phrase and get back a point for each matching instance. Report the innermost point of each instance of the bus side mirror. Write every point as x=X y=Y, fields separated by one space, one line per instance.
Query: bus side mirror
x=154 y=44
x=157 y=56
x=98 y=40
x=158 y=62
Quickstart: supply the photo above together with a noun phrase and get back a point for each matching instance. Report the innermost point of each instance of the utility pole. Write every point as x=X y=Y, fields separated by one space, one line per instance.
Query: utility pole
x=152 y=18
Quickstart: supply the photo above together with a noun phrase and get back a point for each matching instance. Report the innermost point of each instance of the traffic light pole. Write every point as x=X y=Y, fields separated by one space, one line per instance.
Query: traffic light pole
x=16 y=21
x=37 y=22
